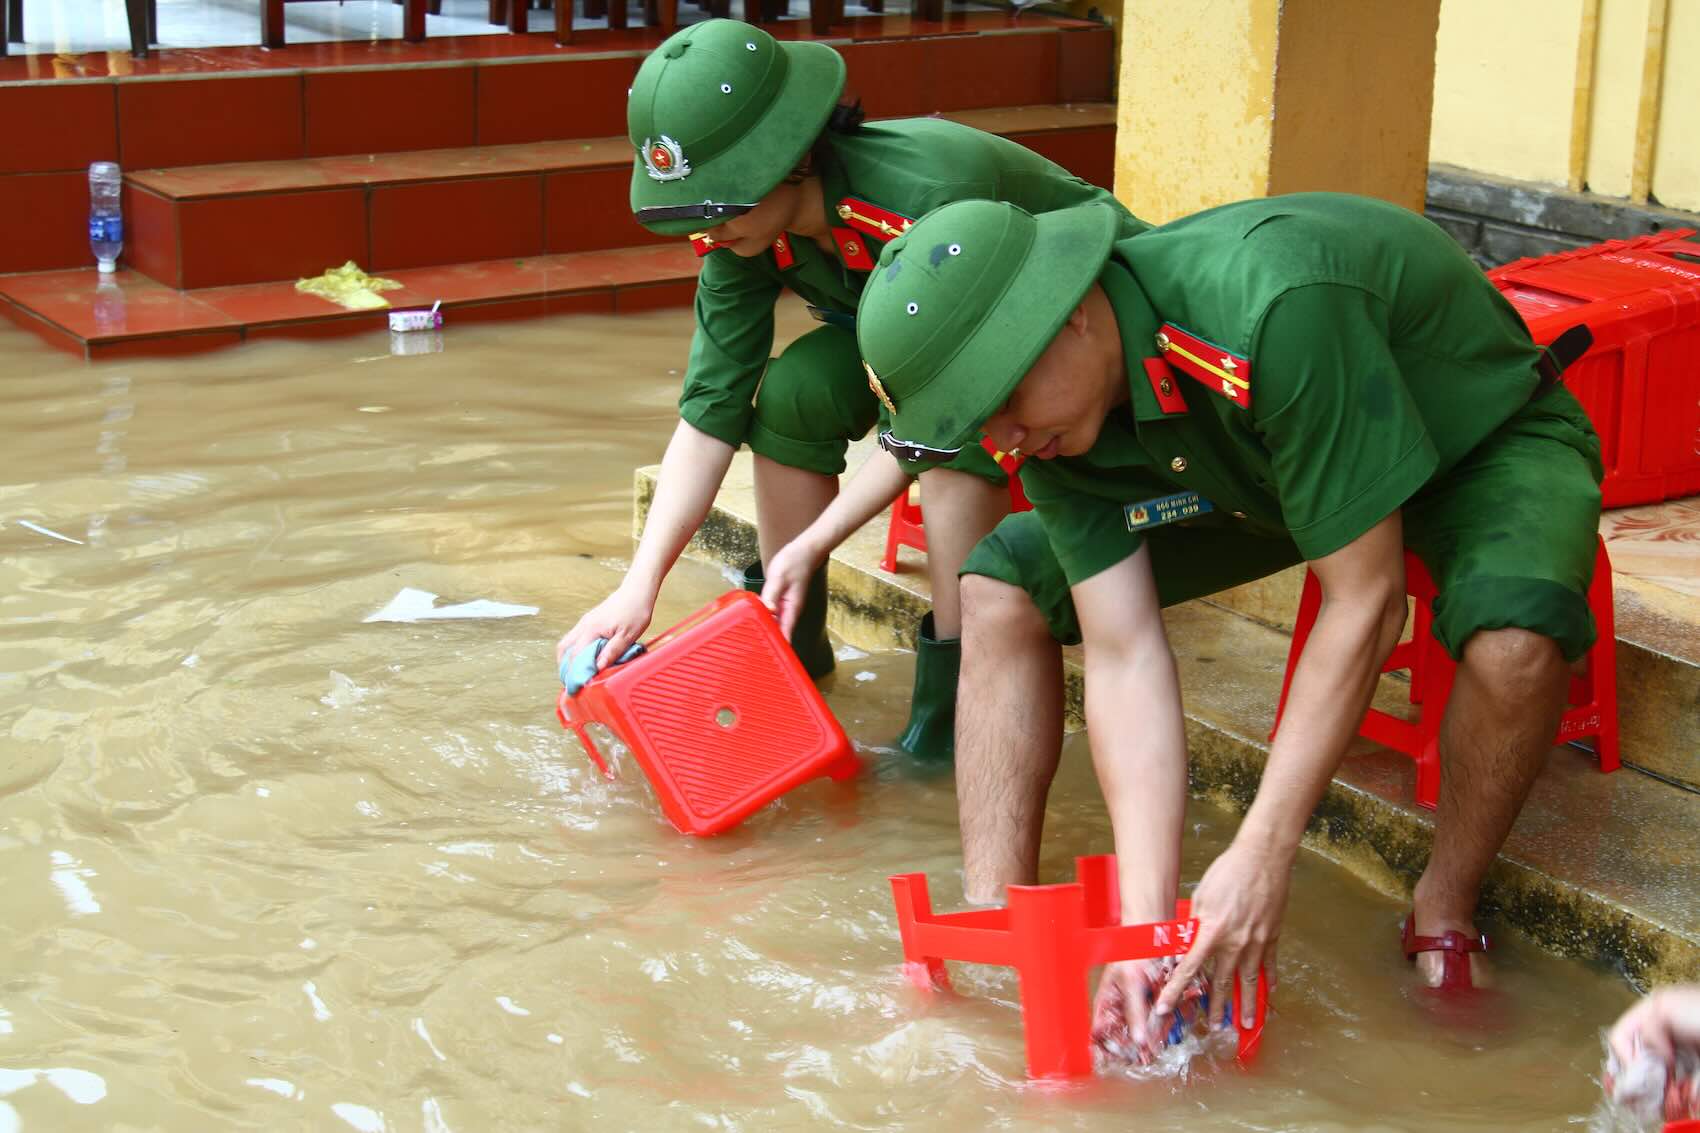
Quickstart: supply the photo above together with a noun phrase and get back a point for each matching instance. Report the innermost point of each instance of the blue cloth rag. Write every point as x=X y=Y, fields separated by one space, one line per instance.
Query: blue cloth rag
x=577 y=668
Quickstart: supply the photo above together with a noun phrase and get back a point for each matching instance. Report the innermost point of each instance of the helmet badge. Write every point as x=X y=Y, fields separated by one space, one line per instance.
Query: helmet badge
x=664 y=160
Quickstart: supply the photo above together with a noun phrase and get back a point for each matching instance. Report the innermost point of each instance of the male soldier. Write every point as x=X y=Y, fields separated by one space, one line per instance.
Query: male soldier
x=750 y=140
x=1317 y=378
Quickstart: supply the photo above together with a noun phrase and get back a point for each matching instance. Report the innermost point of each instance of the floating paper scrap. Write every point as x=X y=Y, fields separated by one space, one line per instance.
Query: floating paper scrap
x=39 y=529
x=421 y=606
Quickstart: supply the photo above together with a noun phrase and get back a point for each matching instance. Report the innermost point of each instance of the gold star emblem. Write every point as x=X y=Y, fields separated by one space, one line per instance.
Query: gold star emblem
x=1229 y=364
x=879 y=390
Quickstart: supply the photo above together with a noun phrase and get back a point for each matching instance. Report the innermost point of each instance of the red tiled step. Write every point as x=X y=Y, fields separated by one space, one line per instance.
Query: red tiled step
x=221 y=105
x=137 y=315
x=220 y=225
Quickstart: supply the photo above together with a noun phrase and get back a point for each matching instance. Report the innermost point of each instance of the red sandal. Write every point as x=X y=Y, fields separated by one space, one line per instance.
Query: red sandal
x=1455 y=947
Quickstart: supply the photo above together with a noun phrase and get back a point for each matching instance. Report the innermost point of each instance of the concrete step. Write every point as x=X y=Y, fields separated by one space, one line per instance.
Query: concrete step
x=250 y=222
x=1599 y=867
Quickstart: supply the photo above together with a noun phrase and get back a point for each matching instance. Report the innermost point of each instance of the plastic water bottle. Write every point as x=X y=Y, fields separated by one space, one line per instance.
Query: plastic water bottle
x=106 y=220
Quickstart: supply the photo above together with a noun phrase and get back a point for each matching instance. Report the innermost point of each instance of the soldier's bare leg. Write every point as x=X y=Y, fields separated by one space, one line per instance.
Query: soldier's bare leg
x=961 y=510
x=1009 y=723
x=787 y=500
x=1500 y=722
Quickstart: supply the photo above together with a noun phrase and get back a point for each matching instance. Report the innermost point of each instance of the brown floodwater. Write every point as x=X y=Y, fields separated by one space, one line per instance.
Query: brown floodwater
x=268 y=866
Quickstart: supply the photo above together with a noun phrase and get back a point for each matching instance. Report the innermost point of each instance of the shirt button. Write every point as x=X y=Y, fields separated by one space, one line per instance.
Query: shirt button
x=1238 y=514
x=1166 y=387
x=1178 y=464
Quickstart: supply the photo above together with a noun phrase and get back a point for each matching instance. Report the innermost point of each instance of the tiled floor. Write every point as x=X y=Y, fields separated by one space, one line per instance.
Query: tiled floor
x=1658 y=542
x=72 y=40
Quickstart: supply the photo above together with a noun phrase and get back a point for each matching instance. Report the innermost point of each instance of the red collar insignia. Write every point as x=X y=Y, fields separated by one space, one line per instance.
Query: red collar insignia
x=1222 y=371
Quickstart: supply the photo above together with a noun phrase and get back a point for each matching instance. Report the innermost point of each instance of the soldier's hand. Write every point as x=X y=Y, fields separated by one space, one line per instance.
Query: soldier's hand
x=1239 y=906
x=620 y=618
x=1661 y=1025
x=788 y=575
x=1121 y=1011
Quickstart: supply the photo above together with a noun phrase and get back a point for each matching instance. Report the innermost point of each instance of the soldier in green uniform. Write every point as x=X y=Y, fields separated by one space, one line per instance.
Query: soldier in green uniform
x=1315 y=378
x=741 y=142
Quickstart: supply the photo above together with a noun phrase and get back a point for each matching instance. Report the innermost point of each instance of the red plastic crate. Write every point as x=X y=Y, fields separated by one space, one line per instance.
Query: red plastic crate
x=1640 y=382
x=719 y=714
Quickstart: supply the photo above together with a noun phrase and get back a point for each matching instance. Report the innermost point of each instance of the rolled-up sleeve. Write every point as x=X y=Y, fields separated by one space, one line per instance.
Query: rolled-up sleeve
x=1346 y=441
x=734 y=337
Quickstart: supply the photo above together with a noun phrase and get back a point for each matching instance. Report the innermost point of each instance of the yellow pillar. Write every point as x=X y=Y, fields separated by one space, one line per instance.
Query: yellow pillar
x=1226 y=99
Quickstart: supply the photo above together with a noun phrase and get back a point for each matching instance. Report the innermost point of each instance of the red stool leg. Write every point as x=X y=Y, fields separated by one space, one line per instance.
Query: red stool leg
x=1438 y=671
x=1097 y=873
x=1422 y=629
x=909 y=890
x=893 y=534
x=1310 y=601
x=1047 y=924
x=1602 y=669
x=1595 y=712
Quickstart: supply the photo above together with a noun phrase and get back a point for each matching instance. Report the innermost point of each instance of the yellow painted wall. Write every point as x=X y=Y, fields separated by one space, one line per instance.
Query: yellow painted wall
x=1676 y=152
x=1195 y=104
x=1221 y=100
x=1511 y=77
x=1503 y=87
x=1352 y=109
x=1618 y=55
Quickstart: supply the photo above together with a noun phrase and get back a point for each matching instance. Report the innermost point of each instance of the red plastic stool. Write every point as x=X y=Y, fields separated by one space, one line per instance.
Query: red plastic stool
x=1592 y=699
x=719 y=714
x=905 y=529
x=1052 y=935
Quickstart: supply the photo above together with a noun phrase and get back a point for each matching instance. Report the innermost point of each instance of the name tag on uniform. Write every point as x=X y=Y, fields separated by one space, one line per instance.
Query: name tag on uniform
x=1166 y=509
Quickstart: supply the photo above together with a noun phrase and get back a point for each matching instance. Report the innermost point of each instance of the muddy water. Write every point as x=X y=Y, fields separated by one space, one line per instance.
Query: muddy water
x=267 y=866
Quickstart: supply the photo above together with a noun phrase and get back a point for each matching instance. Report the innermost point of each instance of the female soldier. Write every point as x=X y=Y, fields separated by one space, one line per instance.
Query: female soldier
x=742 y=143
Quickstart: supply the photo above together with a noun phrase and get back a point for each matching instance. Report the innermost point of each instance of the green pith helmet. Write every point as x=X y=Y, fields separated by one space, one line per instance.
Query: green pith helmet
x=719 y=114
x=961 y=306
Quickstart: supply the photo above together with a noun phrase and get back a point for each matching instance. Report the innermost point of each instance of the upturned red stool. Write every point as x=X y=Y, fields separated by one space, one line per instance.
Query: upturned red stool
x=1052 y=935
x=1592 y=701
x=719 y=714
x=905 y=528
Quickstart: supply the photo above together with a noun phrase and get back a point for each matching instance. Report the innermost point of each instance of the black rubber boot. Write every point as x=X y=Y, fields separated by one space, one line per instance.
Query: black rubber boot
x=808 y=636
x=931 y=734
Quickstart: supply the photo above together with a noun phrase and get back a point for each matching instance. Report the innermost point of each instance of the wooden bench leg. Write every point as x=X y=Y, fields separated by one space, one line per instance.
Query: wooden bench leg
x=413 y=21
x=519 y=16
x=563 y=22
x=616 y=13
x=136 y=13
x=820 y=16
x=271 y=23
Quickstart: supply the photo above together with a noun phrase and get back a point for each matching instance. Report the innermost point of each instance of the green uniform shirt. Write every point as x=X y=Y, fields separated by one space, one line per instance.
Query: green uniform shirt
x=1373 y=366
x=908 y=167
